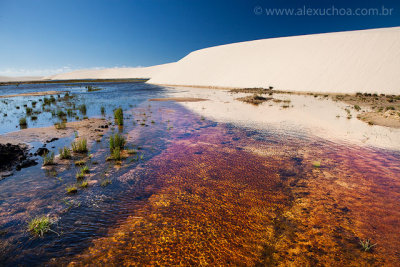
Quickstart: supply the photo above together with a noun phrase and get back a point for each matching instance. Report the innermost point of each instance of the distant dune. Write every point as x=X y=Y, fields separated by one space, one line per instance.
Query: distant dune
x=112 y=73
x=342 y=62
x=19 y=78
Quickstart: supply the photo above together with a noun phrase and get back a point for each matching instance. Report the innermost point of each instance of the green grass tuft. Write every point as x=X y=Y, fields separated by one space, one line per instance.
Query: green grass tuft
x=39 y=225
x=80 y=146
x=119 y=116
x=65 y=153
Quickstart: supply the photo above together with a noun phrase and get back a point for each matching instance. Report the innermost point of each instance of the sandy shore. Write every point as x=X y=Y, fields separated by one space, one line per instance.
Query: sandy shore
x=179 y=99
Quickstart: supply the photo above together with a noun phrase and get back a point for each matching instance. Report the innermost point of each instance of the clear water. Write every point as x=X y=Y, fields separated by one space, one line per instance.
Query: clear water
x=204 y=190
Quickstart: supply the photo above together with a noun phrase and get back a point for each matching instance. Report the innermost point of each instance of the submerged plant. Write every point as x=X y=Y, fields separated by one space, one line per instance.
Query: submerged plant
x=366 y=245
x=105 y=182
x=102 y=110
x=40 y=225
x=119 y=116
x=80 y=146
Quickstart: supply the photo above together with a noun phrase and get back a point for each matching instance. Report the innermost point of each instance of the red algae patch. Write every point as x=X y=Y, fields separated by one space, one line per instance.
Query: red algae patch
x=222 y=196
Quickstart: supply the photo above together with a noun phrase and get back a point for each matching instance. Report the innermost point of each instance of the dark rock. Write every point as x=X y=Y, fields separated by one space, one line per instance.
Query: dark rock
x=42 y=151
x=52 y=140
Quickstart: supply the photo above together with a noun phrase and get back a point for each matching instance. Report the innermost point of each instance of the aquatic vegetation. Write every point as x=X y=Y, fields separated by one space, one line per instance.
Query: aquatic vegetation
x=366 y=245
x=91 y=88
x=80 y=146
x=316 y=164
x=39 y=225
x=61 y=113
x=34 y=118
x=102 y=110
x=65 y=153
x=80 y=162
x=28 y=111
x=85 y=169
x=117 y=140
x=80 y=175
x=82 y=109
x=116 y=154
x=84 y=184
x=48 y=159
x=131 y=151
x=105 y=182
x=60 y=125
x=119 y=116
x=71 y=190
x=22 y=122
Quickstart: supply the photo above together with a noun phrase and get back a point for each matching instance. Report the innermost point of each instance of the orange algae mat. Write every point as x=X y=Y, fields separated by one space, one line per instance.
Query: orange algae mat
x=221 y=197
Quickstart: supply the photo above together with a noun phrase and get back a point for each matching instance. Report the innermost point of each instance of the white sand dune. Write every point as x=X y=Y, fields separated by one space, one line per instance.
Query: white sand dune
x=111 y=73
x=342 y=62
x=346 y=62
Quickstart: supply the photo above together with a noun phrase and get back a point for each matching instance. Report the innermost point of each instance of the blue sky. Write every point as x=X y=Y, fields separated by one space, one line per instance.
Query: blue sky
x=40 y=37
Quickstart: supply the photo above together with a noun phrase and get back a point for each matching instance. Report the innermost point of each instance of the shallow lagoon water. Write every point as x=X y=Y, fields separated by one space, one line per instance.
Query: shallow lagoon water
x=209 y=191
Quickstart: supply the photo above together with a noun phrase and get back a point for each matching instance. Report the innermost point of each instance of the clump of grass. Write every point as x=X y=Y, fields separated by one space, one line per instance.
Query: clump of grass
x=22 y=122
x=65 y=153
x=80 y=146
x=102 y=110
x=119 y=116
x=61 y=113
x=28 y=111
x=390 y=108
x=85 y=169
x=357 y=107
x=316 y=164
x=34 y=118
x=80 y=162
x=72 y=190
x=39 y=225
x=80 y=175
x=116 y=153
x=117 y=140
x=48 y=159
x=366 y=245
x=60 y=125
x=82 y=109
x=84 y=184
x=131 y=151
x=105 y=182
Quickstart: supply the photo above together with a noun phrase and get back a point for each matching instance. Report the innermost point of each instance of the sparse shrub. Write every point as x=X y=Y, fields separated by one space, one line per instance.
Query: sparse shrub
x=80 y=146
x=65 y=153
x=119 y=116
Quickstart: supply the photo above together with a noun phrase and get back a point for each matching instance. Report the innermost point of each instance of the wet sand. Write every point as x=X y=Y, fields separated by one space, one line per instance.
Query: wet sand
x=43 y=93
x=91 y=129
